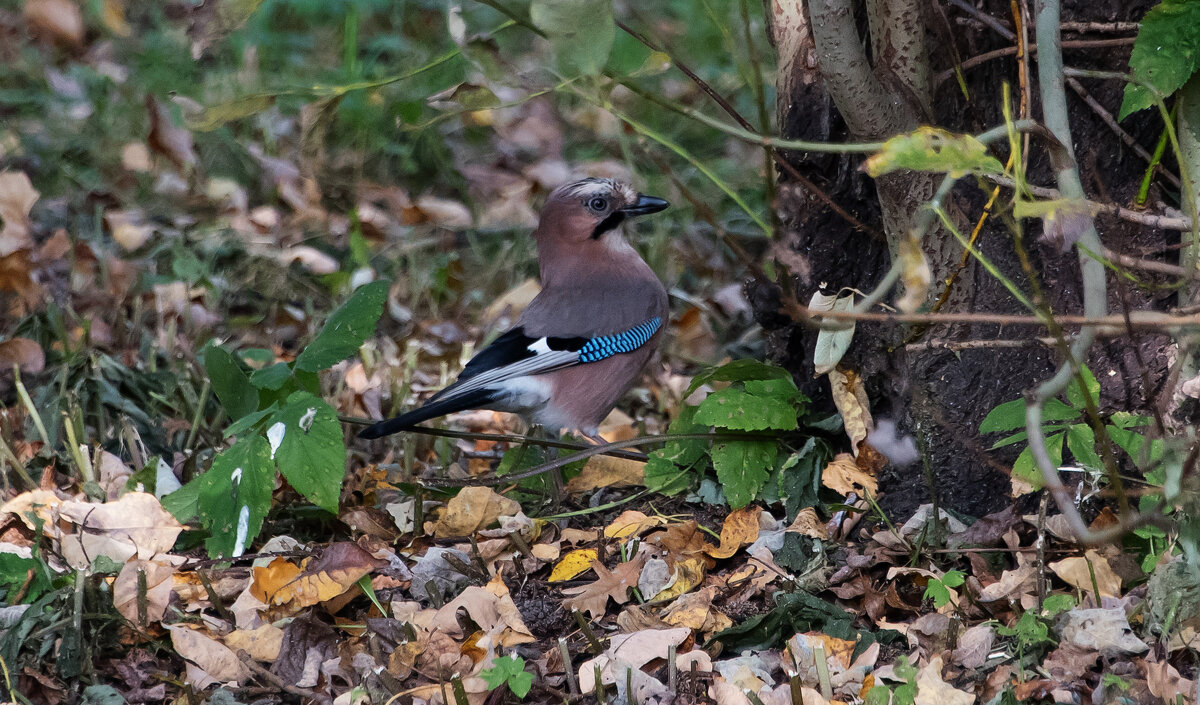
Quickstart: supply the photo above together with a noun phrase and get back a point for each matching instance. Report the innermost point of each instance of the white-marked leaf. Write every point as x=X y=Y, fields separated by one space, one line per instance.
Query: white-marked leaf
x=831 y=344
x=310 y=452
x=234 y=495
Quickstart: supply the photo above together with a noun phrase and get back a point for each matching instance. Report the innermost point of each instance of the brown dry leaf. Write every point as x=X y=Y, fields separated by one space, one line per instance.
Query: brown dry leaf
x=695 y=611
x=1013 y=585
x=262 y=644
x=24 y=353
x=215 y=662
x=17 y=196
x=134 y=525
x=472 y=509
x=337 y=570
x=850 y=397
x=631 y=523
x=627 y=651
x=42 y=504
x=607 y=471
x=916 y=274
x=174 y=143
x=57 y=20
x=932 y=690
x=808 y=523
x=740 y=529
x=271 y=578
x=1166 y=683
x=159 y=581
x=16 y=276
x=492 y=608
x=843 y=476
x=974 y=646
x=592 y=599
x=1075 y=571
x=572 y=564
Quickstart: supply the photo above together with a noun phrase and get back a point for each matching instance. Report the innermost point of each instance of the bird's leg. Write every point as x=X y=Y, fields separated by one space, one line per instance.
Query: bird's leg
x=594 y=438
x=555 y=477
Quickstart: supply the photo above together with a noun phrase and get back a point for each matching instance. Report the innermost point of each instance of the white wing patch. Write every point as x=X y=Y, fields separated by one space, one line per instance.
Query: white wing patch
x=539 y=347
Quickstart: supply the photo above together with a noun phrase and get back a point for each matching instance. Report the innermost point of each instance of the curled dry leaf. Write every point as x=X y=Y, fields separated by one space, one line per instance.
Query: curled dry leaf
x=843 y=475
x=850 y=397
x=59 y=21
x=472 y=509
x=1077 y=572
x=740 y=529
x=915 y=274
x=159 y=581
x=17 y=196
x=832 y=343
x=214 y=662
x=26 y=354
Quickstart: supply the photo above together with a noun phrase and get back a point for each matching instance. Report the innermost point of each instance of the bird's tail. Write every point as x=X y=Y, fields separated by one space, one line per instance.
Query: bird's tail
x=478 y=399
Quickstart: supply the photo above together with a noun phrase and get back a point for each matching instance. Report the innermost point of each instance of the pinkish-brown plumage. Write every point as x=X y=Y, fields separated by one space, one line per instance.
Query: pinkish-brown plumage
x=594 y=284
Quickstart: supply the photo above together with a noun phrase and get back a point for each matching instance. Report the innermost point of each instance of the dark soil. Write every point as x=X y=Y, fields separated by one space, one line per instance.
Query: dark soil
x=959 y=388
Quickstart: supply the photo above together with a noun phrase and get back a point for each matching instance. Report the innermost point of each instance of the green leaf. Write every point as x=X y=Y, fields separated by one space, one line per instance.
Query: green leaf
x=581 y=32
x=230 y=383
x=272 y=377
x=743 y=468
x=933 y=149
x=1006 y=417
x=666 y=470
x=1009 y=440
x=233 y=497
x=346 y=329
x=17 y=572
x=779 y=388
x=1027 y=470
x=1081 y=441
x=738 y=371
x=1075 y=395
x=800 y=476
x=1057 y=603
x=1165 y=54
x=511 y=670
x=1055 y=410
x=954 y=578
x=937 y=592
x=1134 y=444
x=249 y=421
x=306 y=444
x=740 y=410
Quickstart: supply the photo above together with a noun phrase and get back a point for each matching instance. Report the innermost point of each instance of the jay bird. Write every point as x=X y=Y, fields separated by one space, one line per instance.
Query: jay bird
x=581 y=343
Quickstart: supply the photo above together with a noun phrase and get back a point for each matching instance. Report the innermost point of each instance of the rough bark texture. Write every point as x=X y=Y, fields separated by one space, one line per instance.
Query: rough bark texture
x=943 y=395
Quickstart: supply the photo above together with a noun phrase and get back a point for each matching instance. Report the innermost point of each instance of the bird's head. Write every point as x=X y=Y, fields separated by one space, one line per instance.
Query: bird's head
x=592 y=210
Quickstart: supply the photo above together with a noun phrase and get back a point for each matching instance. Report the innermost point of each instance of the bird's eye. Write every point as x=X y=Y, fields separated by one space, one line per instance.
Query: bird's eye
x=598 y=203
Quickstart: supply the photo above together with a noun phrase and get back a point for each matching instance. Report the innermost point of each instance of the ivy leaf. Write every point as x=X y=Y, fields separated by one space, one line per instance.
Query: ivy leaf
x=346 y=329
x=233 y=497
x=306 y=443
x=740 y=410
x=581 y=32
x=743 y=468
x=1165 y=54
x=230 y=383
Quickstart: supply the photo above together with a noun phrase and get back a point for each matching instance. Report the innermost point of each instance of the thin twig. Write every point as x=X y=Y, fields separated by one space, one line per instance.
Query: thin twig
x=1011 y=51
x=1162 y=222
x=249 y=662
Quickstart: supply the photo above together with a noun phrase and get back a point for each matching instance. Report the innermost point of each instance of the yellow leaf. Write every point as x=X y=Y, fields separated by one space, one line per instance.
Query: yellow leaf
x=607 y=471
x=740 y=528
x=631 y=523
x=472 y=509
x=688 y=574
x=843 y=475
x=572 y=564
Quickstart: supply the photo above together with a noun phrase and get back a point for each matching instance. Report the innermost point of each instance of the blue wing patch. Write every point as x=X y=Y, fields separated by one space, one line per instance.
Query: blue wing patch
x=606 y=346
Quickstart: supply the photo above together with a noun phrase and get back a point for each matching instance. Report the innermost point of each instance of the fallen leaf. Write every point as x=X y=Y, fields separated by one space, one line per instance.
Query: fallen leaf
x=215 y=661
x=572 y=564
x=592 y=599
x=842 y=475
x=607 y=471
x=57 y=20
x=134 y=525
x=472 y=509
x=974 y=646
x=17 y=196
x=740 y=529
x=850 y=398
x=174 y=143
x=1077 y=572
x=1106 y=631
x=932 y=690
x=24 y=353
x=262 y=644
x=631 y=523
x=129 y=228
x=337 y=570
x=158 y=584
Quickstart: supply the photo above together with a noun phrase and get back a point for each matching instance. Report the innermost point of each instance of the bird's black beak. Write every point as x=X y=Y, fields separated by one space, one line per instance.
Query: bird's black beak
x=645 y=205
